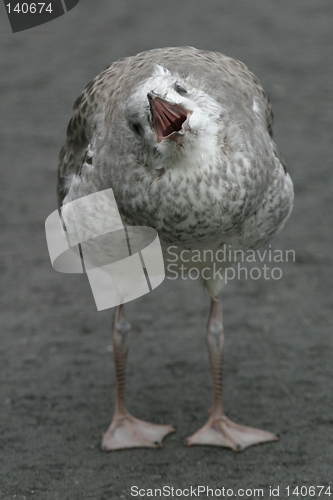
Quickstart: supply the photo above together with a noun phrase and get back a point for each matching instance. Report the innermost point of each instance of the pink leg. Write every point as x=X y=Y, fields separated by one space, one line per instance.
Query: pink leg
x=219 y=430
x=126 y=431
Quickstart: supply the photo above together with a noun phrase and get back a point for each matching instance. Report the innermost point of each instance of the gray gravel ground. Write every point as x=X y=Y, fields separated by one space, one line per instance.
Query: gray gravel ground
x=57 y=386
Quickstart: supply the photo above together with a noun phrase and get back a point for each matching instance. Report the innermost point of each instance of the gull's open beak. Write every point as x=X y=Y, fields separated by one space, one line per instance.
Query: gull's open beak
x=169 y=120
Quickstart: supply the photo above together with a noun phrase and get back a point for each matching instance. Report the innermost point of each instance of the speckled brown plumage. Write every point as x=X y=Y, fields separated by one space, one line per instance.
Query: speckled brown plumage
x=241 y=197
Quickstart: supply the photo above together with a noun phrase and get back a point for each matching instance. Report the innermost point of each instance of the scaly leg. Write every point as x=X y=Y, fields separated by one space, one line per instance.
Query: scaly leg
x=219 y=430
x=126 y=431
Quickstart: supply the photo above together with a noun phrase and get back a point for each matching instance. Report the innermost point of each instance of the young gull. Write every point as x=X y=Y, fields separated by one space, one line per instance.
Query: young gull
x=184 y=139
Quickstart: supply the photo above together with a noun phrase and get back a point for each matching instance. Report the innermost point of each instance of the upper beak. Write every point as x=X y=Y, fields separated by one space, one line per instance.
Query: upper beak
x=168 y=118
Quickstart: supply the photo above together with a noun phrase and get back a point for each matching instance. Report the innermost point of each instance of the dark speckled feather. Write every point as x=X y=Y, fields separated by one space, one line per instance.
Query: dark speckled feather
x=225 y=183
x=91 y=103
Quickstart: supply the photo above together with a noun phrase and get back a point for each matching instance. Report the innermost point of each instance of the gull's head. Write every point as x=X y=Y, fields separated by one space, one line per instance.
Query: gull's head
x=169 y=118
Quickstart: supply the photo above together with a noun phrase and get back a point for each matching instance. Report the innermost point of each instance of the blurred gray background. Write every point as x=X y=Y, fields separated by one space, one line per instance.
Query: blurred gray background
x=57 y=387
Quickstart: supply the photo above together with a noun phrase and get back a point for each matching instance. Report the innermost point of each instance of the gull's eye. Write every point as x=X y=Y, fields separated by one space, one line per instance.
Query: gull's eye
x=137 y=127
x=180 y=89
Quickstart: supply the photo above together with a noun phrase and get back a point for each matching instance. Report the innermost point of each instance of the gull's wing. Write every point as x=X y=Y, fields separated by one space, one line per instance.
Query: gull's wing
x=88 y=112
